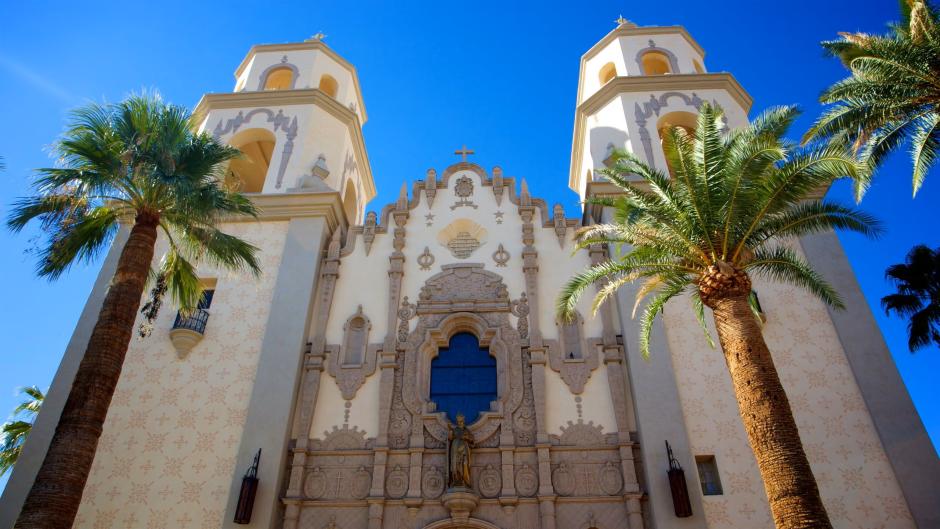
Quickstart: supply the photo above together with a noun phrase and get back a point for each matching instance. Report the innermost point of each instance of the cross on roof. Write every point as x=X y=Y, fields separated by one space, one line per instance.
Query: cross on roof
x=464 y=152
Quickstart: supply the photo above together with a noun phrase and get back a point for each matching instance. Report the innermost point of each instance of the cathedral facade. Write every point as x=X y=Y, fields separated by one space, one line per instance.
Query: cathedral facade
x=404 y=368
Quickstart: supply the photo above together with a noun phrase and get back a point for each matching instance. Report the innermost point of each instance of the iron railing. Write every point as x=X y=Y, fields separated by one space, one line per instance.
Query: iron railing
x=195 y=321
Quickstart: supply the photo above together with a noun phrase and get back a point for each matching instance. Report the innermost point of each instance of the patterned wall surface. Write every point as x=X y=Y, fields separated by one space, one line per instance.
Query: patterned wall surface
x=166 y=457
x=855 y=478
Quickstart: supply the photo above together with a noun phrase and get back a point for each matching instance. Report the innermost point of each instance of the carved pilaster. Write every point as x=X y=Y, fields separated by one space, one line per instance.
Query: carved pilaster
x=430 y=186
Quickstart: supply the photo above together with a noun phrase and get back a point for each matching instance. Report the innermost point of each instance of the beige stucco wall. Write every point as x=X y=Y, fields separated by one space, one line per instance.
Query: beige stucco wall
x=858 y=486
x=166 y=456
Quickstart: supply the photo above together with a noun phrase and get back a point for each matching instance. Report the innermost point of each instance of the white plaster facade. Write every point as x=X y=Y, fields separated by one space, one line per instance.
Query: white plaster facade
x=569 y=442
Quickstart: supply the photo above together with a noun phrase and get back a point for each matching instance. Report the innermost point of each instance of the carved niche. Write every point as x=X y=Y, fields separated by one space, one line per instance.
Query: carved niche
x=354 y=361
x=571 y=356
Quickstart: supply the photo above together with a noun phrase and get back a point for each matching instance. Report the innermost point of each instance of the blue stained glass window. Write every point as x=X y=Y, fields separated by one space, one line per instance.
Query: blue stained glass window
x=463 y=378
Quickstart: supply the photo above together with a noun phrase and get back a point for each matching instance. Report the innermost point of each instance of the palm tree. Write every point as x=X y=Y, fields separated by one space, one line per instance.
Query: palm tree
x=892 y=96
x=13 y=433
x=137 y=162
x=727 y=211
x=918 y=295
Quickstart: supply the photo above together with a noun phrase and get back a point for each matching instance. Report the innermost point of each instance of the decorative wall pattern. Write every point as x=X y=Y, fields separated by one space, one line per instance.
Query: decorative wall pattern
x=856 y=481
x=166 y=457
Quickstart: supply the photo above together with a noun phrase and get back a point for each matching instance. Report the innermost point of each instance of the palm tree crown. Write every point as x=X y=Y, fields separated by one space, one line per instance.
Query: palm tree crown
x=892 y=96
x=13 y=433
x=917 y=280
x=134 y=160
x=731 y=199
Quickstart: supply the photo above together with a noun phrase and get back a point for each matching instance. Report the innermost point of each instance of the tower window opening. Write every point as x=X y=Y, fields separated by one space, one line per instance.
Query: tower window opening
x=248 y=172
x=684 y=120
x=655 y=63
x=279 y=79
x=329 y=85
x=608 y=73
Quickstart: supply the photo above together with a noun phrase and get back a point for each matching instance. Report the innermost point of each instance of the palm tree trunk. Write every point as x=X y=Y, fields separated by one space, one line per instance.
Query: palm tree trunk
x=771 y=430
x=56 y=493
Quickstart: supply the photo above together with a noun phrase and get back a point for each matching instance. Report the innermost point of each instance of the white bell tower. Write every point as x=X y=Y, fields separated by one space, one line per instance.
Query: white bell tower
x=297 y=114
x=634 y=82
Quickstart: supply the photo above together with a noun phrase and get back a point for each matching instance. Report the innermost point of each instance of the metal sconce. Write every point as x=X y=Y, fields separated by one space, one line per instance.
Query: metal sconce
x=677 y=485
x=246 y=496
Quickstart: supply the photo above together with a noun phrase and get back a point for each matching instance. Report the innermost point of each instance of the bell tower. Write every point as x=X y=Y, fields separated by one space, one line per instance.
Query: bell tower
x=296 y=113
x=634 y=82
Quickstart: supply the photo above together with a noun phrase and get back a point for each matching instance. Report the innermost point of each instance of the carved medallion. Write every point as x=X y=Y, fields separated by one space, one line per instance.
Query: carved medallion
x=463 y=245
x=432 y=484
x=489 y=482
x=315 y=485
x=426 y=259
x=362 y=481
x=563 y=479
x=501 y=256
x=396 y=484
x=611 y=480
x=464 y=190
x=527 y=481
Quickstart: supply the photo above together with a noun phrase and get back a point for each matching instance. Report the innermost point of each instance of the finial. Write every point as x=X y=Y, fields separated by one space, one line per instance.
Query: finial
x=403 y=196
x=623 y=22
x=463 y=153
x=319 y=35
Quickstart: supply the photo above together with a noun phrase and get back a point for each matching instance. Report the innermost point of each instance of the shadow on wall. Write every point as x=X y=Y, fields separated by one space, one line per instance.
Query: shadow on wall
x=603 y=141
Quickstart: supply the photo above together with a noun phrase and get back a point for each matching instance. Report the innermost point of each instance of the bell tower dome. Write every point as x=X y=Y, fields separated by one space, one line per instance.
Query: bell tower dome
x=632 y=83
x=296 y=113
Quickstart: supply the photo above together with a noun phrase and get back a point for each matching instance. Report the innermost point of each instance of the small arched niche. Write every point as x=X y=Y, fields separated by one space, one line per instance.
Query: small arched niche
x=356 y=338
x=607 y=73
x=570 y=337
x=655 y=63
x=351 y=203
x=281 y=78
x=248 y=172
x=328 y=85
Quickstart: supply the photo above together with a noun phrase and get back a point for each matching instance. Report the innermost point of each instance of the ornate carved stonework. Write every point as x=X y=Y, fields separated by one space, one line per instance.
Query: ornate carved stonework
x=368 y=231
x=610 y=479
x=464 y=190
x=396 y=483
x=524 y=417
x=564 y=480
x=489 y=482
x=520 y=309
x=527 y=481
x=337 y=483
x=575 y=371
x=342 y=438
x=350 y=369
x=463 y=245
x=426 y=259
x=432 y=483
x=581 y=434
x=399 y=422
x=501 y=256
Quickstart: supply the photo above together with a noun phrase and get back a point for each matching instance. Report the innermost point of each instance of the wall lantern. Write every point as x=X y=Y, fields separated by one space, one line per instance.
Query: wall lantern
x=677 y=485
x=246 y=496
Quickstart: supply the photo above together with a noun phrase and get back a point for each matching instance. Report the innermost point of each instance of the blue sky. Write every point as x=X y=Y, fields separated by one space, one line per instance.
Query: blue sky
x=498 y=76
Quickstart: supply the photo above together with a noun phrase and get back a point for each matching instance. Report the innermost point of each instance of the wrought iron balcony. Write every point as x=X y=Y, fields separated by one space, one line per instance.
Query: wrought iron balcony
x=188 y=330
x=195 y=321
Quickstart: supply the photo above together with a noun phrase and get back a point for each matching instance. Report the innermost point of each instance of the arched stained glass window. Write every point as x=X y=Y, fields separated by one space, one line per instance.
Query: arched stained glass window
x=463 y=378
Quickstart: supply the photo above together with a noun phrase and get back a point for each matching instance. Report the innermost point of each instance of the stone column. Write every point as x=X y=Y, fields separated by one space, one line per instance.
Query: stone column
x=268 y=421
x=902 y=434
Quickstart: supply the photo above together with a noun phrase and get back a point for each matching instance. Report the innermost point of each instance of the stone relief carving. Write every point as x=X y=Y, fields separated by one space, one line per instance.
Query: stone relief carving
x=399 y=422
x=498 y=185
x=279 y=122
x=571 y=356
x=463 y=245
x=343 y=438
x=563 y=480
x=426 y=259
x=490 y=482
x=610 y=479
x=527 y=481
x=464 y=190
x=560 y=224
x=350 y=367
x=405 y=313
x=432 y=442
x=432 y=483
x=524 y=417
x=581 y=434
x=501 y=256
x=520 y=309
x=430 y=186
x=368 y=231
x=337 y=483
x=396 y=483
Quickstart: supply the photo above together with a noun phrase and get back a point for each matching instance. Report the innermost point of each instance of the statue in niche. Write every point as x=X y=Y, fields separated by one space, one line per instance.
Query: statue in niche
x=459 y=443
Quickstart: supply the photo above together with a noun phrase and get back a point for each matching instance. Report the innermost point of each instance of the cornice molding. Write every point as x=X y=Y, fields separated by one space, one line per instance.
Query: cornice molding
x=317 y=45
x=286 y=206
x=306 y=96
x=659 y=83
